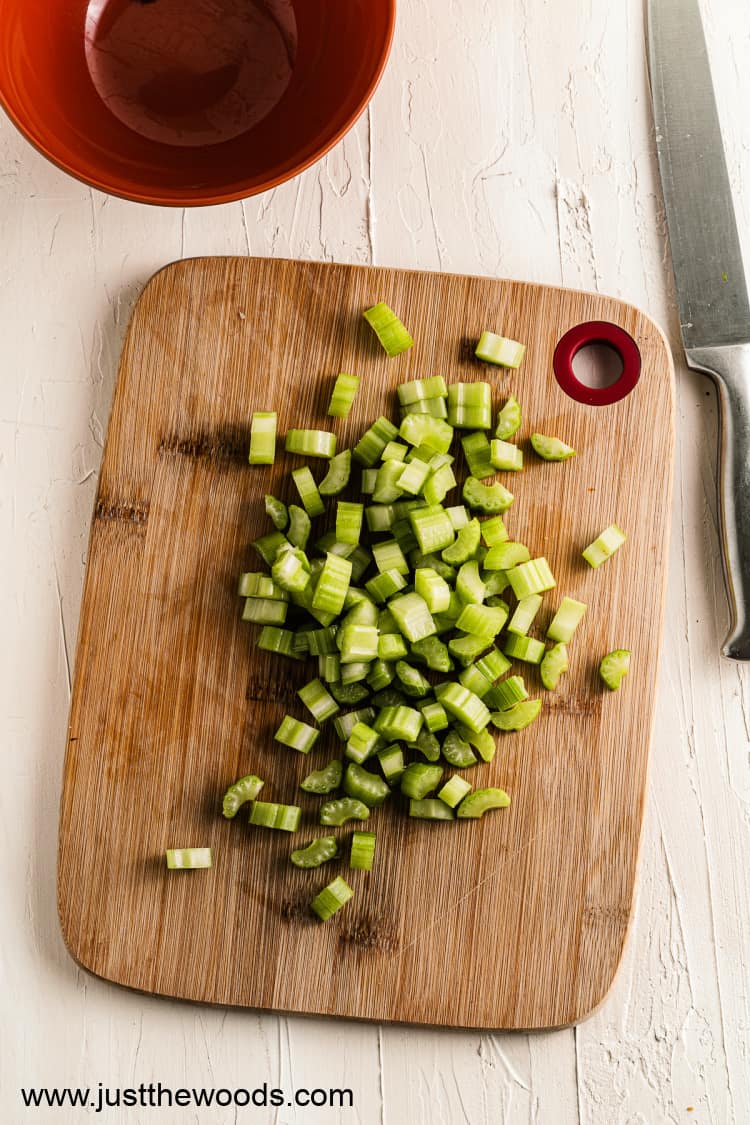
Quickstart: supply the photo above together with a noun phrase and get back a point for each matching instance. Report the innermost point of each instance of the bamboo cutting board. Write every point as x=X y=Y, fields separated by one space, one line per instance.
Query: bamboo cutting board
x=514 y=921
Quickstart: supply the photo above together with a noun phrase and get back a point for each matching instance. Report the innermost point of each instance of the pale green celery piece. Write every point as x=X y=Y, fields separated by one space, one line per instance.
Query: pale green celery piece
x=389 y=330
x=457 y=752
x=505 y=456
x=280 y=641
x=389 y=556
x=518 y=716
x=495 y=582
x=506 y=693
x=413 y=477
x=438 y=484
x=369 y=476
x=419 y=779
x=387 y=488
x=319 y=702
x=394 y=451
x=337 y=477
x=320 y=851
x=458 y=515
x=262 y=438
x=431 y=808
x=605 y=545
x=505 y=556
x=567 y=619
x=524 y=648
x=494 y=531
x=308 y=491
x=481 y=620
x=470 y=405
x=469 y=586
x=500 y=350
x=494 y=664
x=277 y=512
x=349 y=522
x=464 y=705
x=434 y=406
x=188 y=859
x=533 y=577
x=265 y=611
x=476 y=449
x=465 y=546
x=311 y=443
x=255 y=585
x=467 y=649
x=342 y=397
x=490 y=499
x=324 y=780
x=244 y=789
x=434 y=653
x=434 y=589
x=391 y=760
x=454 y=791
x=508 y=420
x=423 y=429
x=345 y=724
x=614 y=667
x=381 y=675
x=391 y=646
x=435 y=718
x=427 y=745
x=481 y=740
x=413 y=683
x=299 y=527
x=412 y=616
x=332 y=585
x=366 y=787
x=476 y=804
x=373 y=441
x=362 y=851
x=343 y=809
x=297 y=735
x=268 y=545
x=355 y=672
x=525 y=612
x=433 y=529
x=551 y=448
x=554 y=663
x=267 y=814
x=419 y=389
x=475 y=680
x=331 y=899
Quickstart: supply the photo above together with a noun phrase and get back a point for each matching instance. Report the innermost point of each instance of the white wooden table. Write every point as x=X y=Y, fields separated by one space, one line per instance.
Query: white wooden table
x=510 y=138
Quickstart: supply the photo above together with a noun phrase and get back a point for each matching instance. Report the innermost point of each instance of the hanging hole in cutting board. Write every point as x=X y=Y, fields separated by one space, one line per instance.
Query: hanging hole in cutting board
x=597 y=363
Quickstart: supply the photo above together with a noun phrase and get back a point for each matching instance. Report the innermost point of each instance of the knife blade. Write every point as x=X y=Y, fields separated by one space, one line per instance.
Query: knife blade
x=708 y=268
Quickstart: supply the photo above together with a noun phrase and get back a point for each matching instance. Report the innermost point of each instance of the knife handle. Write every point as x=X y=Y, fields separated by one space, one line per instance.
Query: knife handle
x=729 y=367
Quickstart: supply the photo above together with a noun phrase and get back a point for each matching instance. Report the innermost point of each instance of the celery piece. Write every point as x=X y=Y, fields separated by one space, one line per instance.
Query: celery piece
x=434 y=653
x=324 y=780
x=394 y=451
x=332 y=585
x=355 y=671
x=464 y=705
x=494 y=531
x=476 y=681
x=342 y=397
x=434 y=715
x=532 y=577
x=365 y=787
x=505 y=456
x=605 y=545
x=508 y=419
x=551 y=448
x=524 y=648
x=319 y=702
x=481 y=620
x=349 y=521
x=457 y=752
x=567 y=619
x=362 y=852
x=311 y=443
x=357 y=643
x=389 y=330
x=368 y=478
x=255 y=585
x=470 y=406
x=434 y=406
x=524 y=615
x=280 y=641
x=454 y=791
x=337 y=477
x=469 y=586
x=244 y=789
x=505 y=556
x=423 y=429
x=465 y=546
x=554 y=663
x=291 y=571
x=427 y=745
x=491 y=499
x=391 y=760
x=412 y=681
x=362 y=743
x=420 y=389
x=348 y=694
x=413 y=476
x=430 y=809
x=276 y=511
x=265 y=611
x=493 y=665
x=330 y=900
x=398 y=722
x=188 y=859
x=380 y=517
x=267 y=814
x=360 y=559
x=391 y=646
x=318 y=852
x=432 y=588
x=345 y=724
x=262 y=438
x=308 y=491
x=342 y=809
x=386 y=485
x=297 y=735
x=419 y=779
x=481 y=740
x=412 y=616
x=458 y=516
x=299 y=527
x=268 y=545
x=614 y=667
x=322 y=642
x=467 y=649
x=381 y=674
x=476 y=449
x=385 y=585
x=505 y=694
x=500 y=350
x=373 y=441
x=518 y=716
x=476 y=804
x=433 y=529
x=389 y=556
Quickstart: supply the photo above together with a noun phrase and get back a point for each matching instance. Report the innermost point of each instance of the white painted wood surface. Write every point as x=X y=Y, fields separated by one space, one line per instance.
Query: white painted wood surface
x=510 y=138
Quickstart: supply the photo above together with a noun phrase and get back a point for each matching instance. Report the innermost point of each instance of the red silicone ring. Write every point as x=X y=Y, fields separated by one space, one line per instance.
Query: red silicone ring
x=597 y=332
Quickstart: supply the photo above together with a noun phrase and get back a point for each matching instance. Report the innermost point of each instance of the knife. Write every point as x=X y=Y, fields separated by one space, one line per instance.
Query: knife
x=709 y=274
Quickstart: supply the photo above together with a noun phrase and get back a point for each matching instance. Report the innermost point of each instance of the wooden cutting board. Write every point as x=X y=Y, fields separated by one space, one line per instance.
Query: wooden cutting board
x=514 y=921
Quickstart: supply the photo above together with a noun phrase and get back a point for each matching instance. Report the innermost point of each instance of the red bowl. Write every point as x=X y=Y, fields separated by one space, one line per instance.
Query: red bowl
x=188 y=102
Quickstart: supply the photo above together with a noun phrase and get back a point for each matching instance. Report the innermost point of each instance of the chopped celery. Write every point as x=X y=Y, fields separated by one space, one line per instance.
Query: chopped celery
x=373 y=441
x=413 y=476
x=505 y=456
x=551 y=448
x=614 y=667
x=457 y=752
x=311 y=443
x=365 y=787
x=605 y=545
x=430 y=809
x=427 y=745
x=297 y=735
x=337 y=812
x=385 y=585
x=400 y=723
x=423 y=429
x=454 y=791
x=332 y=585
x=434 y=716
x=386 y=484
x=524 y=648
x=467 y=649
x=362 y=743
x=308 y=491
x=508 y=419
x=554 y=663
x=482 y=741
x=280 y=641
x=470 y=406
x=412 y=616
x=263 y=438
x=188 y=859
x=532 y=577
x=389 y=330
x=459 y=517
x=433 y=529
x=342 y=397
x=363 y=851
x=439 y=483
x=254 y=585
x=330 y=900
x=299 y=527
x=419 y=779
x=524 y=615
x=267 y=814
x=518 y=716
x=481 y=620
x=391 y=760
x=434 y=653
x=479 y=802
x=268 y=545
x=490 y=499
x=389 y=556
x=476 y=449
x=434 y=406
x=318 y=701
x=464 y=705
x=432 y=588
x=324 y=780
x=381 y=674
x=567 y=619
x=277 y=512
x=500 y=350
x=394 y=451
x=506 y=693
x=337 y=477
x=391 y=646
x=265 y=611
x=320 y=851
x=243 y=790
x=465 y=546
x=349 y=521
x=494 y=531
x=345 y=724
x=493 y=665
x=420 y=389
x=469 y=585
x=413 y=683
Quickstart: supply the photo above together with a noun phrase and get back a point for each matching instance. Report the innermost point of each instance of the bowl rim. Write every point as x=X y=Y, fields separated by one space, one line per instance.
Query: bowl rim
x=216 y=198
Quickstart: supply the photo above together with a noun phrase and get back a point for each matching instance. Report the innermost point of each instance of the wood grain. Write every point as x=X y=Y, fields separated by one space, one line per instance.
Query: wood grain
x=514 y=921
